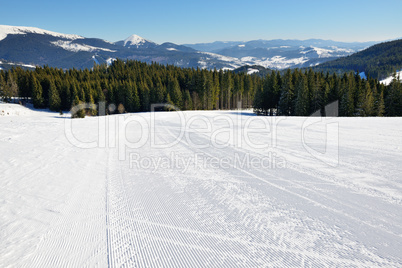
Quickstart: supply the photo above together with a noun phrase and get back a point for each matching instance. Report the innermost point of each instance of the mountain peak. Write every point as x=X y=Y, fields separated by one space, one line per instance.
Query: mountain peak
x=137 y=41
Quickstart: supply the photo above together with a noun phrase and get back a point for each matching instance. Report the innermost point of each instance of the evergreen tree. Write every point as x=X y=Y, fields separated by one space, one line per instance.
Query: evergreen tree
x=302 y=100
x=393 y=101
x=9 y=88
x=188 y=102
x=144 y=97
x=347 y=107
x=258 y=100
x=175 y=92
x=367 y=103
x=92 y=110
x=216 y=91
x=54 y=98
x=169 y=102
x=380 y=111
x=65 y=96
x=36 y=91
x=316 y=95
x=286 y=106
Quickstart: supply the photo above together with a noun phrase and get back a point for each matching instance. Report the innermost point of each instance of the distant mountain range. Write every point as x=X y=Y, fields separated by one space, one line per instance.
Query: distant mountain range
x=29 y=47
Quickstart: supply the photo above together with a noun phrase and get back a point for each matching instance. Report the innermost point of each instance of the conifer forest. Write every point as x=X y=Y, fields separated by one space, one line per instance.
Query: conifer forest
x=132 y=86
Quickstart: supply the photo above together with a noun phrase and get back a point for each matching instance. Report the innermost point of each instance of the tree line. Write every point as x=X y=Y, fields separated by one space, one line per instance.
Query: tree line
x=301 y=93
x=132 y=86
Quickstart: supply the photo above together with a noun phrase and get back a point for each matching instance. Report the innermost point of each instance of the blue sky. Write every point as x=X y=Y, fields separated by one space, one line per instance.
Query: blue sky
x=206 y=21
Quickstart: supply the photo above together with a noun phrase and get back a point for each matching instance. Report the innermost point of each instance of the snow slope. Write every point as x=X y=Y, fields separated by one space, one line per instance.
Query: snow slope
x=192 y=189
x=74 y=47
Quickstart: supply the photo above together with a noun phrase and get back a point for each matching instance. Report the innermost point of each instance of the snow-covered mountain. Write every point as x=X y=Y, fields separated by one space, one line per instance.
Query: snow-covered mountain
x=135 y=41
x=6 y=30
x=33 y=46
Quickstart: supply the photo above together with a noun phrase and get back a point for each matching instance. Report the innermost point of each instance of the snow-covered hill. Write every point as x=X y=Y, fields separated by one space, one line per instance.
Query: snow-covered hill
x=5 y=30
x=211 y=188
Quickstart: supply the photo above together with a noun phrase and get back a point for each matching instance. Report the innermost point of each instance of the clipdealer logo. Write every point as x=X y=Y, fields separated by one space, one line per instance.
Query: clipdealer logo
x=239 y=129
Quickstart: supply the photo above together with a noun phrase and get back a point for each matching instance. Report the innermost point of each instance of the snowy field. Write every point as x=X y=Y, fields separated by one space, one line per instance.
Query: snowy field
x=199 y=189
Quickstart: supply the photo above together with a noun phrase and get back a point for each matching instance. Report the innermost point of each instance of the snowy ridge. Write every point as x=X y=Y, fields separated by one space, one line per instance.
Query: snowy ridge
x=221 y=57
x=327 y=52
x=68 y=45
x=276 y=62
x=279 y=62
x=232 y=62
x=6 y=30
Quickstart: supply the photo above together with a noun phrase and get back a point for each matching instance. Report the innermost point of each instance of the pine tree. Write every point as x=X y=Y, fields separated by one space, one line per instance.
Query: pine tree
x=248 y=89
x=65 y=96
x=228 y=87
x=100 y=97
x=73 y=93
x=92 y=110
x=274 y=93
x=367 y=103
x=286 y=106
x=9 y=89
x=316 y=95
x=36 y=91
x=380 y=106
x=144 y=97
x=175 y=92
x=12 y=86
x=258 y=100
x=216 y=92
x=169 y=103
x=347 y=106
x=188 y=103
x=393 y=101
x=135 y=106
x=302 y=105
x=54 y=97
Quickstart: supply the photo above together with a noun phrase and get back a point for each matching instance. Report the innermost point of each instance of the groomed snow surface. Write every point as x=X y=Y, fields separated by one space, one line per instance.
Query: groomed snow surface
x=199 y=189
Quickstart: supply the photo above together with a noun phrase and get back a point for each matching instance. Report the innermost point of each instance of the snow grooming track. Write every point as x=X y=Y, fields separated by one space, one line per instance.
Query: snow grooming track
x=75 y=238
x=120 y=247
x=107 y=178
x=368 y=258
